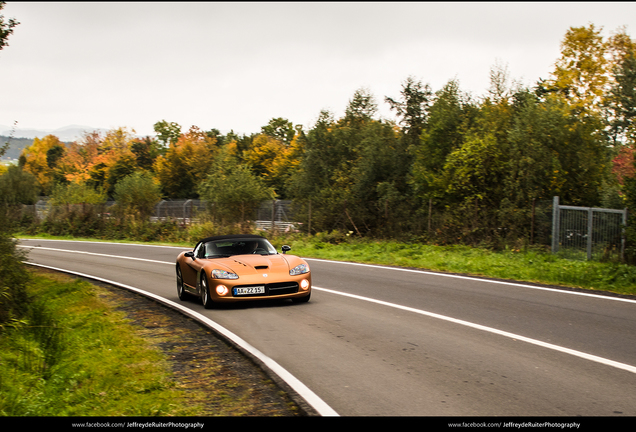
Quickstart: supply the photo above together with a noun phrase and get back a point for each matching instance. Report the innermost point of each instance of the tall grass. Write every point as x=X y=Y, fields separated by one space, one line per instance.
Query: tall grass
x=71 y=355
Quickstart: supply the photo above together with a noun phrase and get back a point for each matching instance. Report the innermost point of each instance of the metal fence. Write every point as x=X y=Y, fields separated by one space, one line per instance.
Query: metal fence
x=276 y=215
x=593 y=233
x=182 y=210
x=577 y=232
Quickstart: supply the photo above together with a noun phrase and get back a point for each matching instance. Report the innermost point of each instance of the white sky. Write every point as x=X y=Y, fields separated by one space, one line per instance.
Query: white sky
x=235 y=66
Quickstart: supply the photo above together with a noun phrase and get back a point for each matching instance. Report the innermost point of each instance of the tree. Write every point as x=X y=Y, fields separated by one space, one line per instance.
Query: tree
x=233 y=191
x=6 y=28
x=450 y=117
x=580 y=73
x=271 y=160
x=186 y=164
x=413 y=109
x=137 y=194
x=146 y=151
x=167 y=132
x=75 y=193
x=18 y=187
x=361 y=108
x=280 y=129
x=35 y=159
x=621 y=99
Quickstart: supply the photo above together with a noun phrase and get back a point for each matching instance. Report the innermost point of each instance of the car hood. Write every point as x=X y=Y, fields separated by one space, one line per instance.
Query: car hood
x=244 y=265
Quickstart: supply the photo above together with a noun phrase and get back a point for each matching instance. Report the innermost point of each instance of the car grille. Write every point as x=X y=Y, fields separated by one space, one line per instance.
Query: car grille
x=274 y=289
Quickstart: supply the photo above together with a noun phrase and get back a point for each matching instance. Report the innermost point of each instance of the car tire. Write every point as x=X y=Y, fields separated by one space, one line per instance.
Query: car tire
x=205 y=292
x=302 y=299
x=180 y=289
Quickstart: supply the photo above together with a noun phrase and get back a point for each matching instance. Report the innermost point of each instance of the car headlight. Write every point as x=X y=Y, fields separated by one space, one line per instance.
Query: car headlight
x=299 y=269
x=223 y=274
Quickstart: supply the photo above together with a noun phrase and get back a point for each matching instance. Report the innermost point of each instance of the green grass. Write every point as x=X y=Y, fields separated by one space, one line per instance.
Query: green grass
x=73 y=355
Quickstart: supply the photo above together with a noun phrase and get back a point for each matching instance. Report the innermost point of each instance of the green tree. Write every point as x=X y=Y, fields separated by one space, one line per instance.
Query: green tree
x=75 y=193
x=137 y=194
x=280 y=129
x=167 y=132
x=18 y=187
x=450 y=117
x=232 y=190
x=621 y=101
x=6 y=27
x=413 y=109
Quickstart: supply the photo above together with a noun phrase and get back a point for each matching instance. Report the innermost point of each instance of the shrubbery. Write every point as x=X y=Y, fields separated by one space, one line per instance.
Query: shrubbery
x=13 y=278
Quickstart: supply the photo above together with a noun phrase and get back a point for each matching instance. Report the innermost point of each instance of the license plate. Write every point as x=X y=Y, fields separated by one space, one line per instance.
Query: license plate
x=260 y=289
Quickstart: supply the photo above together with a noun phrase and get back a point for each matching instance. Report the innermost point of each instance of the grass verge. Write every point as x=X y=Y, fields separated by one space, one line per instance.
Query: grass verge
x=85 y=350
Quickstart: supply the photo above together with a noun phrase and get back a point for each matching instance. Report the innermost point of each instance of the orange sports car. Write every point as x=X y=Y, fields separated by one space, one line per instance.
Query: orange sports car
x=242 y=267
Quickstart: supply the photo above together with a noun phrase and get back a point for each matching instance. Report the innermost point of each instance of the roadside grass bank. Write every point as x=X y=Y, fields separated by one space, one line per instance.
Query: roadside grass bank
x=530 y=265
x=86 y=350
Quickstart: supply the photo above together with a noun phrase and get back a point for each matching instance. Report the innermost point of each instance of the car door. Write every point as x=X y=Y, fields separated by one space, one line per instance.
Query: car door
x=193 y=265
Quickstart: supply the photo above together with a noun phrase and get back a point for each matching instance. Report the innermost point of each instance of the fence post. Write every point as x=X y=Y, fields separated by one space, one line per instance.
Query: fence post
x=623 y=235
x=430 y=212
x=309 y=219
x=158 y=215
x=590 y=227
x=185 y=211
x=273 y=217
x=555 y=224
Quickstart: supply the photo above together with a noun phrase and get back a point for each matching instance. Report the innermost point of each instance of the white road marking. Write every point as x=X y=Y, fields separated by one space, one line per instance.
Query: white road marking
x=493 y=281
x=580 y=354
x=97 y=254
x=558 y=348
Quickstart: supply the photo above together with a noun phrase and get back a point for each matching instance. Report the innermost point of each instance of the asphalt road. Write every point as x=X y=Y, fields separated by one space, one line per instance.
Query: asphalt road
x=393 y=342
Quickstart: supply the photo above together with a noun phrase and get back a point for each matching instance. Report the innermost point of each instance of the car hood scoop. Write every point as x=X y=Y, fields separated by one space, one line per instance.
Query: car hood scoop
x=251 y=264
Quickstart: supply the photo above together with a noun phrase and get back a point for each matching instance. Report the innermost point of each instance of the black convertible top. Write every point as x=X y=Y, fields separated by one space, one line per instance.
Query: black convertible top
x=231 y=237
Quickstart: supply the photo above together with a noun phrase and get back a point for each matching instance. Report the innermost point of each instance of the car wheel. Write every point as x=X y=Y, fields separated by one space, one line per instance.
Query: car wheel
x=302 y=299
x=180 y=290
x=205 y=292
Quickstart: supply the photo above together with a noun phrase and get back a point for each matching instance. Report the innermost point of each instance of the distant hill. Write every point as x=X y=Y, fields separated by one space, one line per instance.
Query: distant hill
x=66 y=134
x=15 y=146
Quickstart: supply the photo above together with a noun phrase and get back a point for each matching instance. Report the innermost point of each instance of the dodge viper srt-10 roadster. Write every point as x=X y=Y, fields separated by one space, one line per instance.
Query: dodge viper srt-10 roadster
x=242 y=267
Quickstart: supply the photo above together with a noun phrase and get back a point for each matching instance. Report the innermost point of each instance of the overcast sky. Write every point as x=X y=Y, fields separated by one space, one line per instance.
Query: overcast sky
x=235 y=66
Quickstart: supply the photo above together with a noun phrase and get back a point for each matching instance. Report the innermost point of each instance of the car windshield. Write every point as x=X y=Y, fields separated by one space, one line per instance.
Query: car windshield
x=229 y=247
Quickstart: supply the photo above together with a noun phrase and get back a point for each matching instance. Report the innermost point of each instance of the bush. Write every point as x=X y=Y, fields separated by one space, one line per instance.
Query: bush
x=137 y=195
x=13 y=278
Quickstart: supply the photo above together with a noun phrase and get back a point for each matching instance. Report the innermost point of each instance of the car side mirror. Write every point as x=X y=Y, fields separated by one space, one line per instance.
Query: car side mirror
x=189 y=255
x=286 y=249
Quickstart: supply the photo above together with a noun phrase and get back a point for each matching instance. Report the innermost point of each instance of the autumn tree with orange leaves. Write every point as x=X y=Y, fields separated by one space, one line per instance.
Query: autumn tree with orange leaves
x=186 y=163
